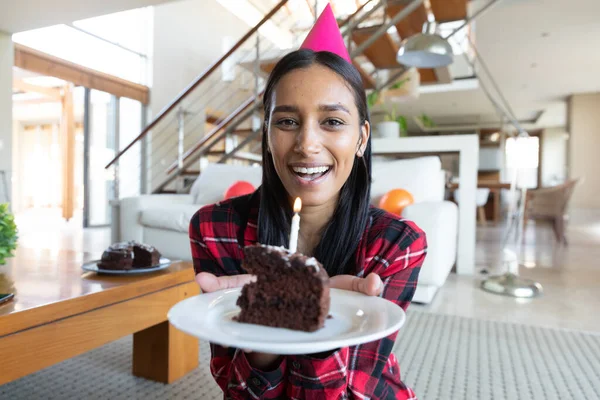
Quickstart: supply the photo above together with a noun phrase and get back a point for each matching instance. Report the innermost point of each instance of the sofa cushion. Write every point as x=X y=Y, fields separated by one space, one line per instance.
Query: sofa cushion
x=173 y=217
x=423 y=177
x=214 y=180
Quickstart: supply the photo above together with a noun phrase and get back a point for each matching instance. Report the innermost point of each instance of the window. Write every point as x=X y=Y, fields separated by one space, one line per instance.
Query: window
x=117 y=44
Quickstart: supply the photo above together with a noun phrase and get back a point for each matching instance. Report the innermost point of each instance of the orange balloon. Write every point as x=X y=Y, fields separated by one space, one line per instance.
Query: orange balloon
x=395 y=200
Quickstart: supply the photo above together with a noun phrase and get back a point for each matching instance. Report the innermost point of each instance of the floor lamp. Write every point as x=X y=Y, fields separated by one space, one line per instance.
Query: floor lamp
x=428 y=50
x=510 y=283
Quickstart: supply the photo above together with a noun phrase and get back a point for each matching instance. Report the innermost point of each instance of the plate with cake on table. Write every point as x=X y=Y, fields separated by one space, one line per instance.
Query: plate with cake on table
x=128 y=258
x=288 y=309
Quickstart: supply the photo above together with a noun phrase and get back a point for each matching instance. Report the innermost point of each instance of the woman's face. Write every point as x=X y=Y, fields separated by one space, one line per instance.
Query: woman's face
x=314 y=134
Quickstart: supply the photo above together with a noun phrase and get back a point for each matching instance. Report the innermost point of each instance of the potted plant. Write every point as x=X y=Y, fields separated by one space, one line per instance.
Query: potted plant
x=393 y=126
x=8 y=233
x=427 y=121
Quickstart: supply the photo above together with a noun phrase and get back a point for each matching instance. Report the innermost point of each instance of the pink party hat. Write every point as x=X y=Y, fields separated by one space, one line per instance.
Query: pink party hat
x=325 y=35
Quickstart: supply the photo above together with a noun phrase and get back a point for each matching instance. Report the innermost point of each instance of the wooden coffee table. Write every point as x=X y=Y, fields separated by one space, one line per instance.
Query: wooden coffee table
x=61 y=311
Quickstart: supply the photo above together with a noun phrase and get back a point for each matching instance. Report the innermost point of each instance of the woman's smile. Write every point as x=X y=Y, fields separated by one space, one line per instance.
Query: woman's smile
x=310 y=173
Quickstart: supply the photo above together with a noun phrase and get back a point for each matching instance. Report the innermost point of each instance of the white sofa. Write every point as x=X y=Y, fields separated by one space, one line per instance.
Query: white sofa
x=162 y=220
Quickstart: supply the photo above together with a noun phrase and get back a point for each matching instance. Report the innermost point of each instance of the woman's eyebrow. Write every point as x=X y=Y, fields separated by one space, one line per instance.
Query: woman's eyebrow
x=322 y=107
x=285 y=108
x=333 y=107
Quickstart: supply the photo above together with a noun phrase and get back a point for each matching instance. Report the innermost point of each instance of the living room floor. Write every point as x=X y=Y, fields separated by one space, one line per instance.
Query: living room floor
x=570 y=275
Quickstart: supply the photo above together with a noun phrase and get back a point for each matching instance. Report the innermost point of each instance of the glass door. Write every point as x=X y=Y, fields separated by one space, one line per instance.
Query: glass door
x=100 y=143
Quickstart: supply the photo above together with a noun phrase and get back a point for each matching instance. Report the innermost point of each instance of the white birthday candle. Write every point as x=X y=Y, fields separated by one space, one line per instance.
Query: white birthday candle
x=295 y=229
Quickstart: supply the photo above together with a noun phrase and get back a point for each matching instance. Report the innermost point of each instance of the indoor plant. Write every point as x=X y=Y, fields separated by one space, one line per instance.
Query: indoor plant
x=8 y=233
x=393 y=125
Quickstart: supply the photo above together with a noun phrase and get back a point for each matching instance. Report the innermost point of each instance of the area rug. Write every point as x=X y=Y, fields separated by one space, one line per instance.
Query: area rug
x=441 y=357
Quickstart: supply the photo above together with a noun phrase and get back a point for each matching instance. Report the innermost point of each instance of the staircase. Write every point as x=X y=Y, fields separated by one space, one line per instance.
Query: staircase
x=218 y=117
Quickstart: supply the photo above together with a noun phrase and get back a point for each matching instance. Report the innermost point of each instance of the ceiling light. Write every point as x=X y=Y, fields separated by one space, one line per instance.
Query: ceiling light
x=425 y=50
x=430 y=50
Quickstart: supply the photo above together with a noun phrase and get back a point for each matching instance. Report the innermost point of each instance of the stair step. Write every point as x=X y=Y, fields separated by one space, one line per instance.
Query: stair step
x=410 y=25
x=243 y=132
x=190 y=172
x=368 y=81
x=243 y=155
x=213 y=119
x=268 y=66
x=382 y=53
x=449 y=10
x=214 y=116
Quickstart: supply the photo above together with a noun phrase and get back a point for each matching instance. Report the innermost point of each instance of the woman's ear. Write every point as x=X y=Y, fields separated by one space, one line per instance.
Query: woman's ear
x=365 y=132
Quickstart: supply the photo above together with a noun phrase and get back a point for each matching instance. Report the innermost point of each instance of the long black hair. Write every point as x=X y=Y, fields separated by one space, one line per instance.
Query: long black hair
x=341 y=236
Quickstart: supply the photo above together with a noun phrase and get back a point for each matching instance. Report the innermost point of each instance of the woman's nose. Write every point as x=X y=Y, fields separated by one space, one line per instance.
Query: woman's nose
x=308 y=141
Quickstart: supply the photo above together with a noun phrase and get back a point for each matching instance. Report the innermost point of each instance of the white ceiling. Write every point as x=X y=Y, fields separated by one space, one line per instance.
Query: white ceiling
x=538 y=51
x=21 y=15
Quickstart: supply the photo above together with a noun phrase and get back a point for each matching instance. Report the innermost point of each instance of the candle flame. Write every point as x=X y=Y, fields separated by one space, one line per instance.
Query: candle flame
x=297 y=205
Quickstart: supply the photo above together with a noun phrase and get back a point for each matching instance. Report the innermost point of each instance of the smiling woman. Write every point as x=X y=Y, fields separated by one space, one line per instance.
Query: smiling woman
x=316 y=146
x=315 y=140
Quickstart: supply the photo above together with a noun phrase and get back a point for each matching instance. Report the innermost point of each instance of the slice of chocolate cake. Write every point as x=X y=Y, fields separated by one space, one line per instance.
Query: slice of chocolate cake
x=118 y=256
x=128 y=255
x=145 y=256
x=291 y=290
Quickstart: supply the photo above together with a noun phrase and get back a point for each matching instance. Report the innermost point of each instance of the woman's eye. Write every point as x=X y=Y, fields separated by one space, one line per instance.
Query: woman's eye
x=334 y=122
x=287 y=122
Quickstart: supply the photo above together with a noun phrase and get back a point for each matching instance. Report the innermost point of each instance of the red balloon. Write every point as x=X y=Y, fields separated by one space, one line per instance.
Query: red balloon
x=239 y=188
x=395 y=200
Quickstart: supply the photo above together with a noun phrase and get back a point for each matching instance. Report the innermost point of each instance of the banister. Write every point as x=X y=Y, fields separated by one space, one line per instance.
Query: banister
x=202 y=143
x=218 y=132
x=202 y=148
x=210 y=135
x=198 y=81
x=354 y=14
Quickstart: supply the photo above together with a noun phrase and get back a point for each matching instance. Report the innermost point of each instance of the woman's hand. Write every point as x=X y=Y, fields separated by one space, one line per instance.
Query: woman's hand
x=211 y=283
x=371 y=285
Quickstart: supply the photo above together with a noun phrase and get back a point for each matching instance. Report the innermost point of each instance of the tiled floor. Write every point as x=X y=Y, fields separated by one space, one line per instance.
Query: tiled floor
x=569 y=275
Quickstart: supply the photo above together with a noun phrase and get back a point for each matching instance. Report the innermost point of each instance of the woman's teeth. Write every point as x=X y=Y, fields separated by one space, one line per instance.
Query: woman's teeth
x=311 y=174
x=315 y=170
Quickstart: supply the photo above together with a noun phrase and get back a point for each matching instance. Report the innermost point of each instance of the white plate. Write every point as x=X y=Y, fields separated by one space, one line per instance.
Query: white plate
x=356 y=319
x=92 y=266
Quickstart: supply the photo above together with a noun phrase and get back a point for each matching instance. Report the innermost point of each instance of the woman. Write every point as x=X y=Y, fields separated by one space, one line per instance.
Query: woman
x=316 y=146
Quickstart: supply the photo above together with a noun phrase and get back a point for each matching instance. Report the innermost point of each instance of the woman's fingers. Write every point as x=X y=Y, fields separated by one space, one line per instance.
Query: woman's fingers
x=211 y=283
x=371 y=285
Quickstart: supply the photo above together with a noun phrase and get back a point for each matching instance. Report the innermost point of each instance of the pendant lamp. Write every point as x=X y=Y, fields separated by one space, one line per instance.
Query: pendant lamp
x=425 y=50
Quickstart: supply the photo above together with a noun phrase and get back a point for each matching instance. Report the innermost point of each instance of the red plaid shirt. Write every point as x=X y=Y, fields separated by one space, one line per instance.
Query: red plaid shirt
x=393 y=248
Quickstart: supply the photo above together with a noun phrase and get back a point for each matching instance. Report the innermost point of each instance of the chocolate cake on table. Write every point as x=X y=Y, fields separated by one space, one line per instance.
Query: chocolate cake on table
x=291 y=290
x=129 y=255
x=145 y=256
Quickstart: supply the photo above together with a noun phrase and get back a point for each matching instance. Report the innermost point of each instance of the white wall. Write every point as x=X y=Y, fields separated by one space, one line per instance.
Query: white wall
x=584 y=148
x=554 y=156
x=6 y=128
x=188 y=38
